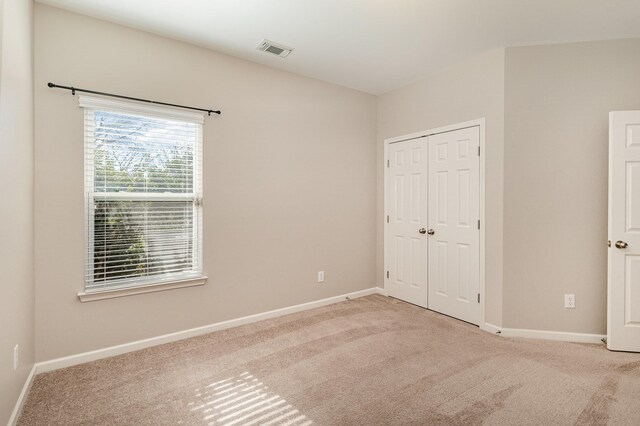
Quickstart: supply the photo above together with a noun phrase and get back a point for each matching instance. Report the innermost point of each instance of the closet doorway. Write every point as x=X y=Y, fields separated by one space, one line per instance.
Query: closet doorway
x=434 y=236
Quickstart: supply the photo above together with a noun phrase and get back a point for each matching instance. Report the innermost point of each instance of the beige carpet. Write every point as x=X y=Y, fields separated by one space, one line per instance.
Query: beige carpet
x=369 y=361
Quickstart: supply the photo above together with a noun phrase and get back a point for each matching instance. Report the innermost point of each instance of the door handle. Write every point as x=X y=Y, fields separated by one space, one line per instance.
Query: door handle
x=621 y=244
x=431 y=232
x=422 y=231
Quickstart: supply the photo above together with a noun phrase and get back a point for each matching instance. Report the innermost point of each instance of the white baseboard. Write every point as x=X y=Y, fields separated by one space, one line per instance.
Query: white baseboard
x=381 y=290
x=23 y=397
x=71 y=360
x=491 y=328
x=563 y=336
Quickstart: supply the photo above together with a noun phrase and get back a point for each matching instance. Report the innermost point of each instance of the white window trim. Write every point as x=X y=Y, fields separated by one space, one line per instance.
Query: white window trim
x=94 y=102
x=149 y=288
x=156 y=283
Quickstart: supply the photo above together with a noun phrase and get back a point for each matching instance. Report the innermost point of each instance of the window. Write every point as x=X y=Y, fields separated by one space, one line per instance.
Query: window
x=143 y=185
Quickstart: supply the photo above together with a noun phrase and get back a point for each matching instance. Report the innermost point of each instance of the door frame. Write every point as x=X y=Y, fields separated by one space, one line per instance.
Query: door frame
x=480 y=122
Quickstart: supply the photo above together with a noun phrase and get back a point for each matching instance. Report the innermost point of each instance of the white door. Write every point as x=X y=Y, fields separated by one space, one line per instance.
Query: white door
x=454 y=214
x=407 y=217
x=623 y=322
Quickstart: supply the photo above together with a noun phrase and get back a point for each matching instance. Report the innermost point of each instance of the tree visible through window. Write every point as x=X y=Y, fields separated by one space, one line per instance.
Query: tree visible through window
x=143 y=181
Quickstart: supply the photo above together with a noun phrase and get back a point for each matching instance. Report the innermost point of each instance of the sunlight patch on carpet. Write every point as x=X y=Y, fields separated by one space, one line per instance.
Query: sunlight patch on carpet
x=244 y=400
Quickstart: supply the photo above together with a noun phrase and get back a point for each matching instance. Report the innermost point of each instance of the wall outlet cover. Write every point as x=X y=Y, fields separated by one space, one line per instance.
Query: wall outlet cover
x=16 y=357
x=570 y=301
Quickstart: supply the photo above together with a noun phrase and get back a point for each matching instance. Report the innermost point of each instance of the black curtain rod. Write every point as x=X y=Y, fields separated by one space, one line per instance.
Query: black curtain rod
x=75 y=89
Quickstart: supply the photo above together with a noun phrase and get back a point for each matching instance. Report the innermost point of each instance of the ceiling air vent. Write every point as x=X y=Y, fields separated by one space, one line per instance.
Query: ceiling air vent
x=275 y=48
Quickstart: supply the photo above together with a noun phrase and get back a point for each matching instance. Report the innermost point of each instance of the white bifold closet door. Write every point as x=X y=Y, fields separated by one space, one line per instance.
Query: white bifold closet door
x=454 y=214
x=433 y=237
x=407 y=198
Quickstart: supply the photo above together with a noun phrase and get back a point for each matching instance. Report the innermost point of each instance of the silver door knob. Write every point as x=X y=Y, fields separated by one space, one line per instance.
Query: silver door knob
x=621 y=244
x=422 y=231
x=431 y=232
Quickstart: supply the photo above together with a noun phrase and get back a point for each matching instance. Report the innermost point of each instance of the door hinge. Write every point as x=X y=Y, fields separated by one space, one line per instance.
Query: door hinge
x=387 y=218
x=387 y=274
x=478 y=297
x=478 y=150
x=387 y=163
x=478 y=223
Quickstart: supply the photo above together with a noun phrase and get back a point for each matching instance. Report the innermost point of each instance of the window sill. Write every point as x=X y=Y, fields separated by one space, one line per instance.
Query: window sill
x=150 y=288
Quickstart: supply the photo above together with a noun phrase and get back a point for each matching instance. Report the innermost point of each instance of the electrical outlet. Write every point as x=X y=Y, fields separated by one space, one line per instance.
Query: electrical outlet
x=570 y=301
x=16 y=357
x=320 y=276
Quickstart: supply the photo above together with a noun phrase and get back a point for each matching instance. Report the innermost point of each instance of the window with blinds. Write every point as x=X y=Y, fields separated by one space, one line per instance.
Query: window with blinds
x=143 y=185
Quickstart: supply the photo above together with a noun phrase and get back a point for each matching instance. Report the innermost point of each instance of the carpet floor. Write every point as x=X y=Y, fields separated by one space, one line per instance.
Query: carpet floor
x=368 y=361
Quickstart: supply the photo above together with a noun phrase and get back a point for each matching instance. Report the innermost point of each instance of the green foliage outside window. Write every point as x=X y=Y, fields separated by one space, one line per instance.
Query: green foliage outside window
x=136 y=154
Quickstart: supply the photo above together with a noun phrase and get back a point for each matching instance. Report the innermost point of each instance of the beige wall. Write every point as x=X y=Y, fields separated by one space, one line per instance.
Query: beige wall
x=288 y=178
x=16 y=208
x=469 y=90
x=289 y=168
x=556 y=140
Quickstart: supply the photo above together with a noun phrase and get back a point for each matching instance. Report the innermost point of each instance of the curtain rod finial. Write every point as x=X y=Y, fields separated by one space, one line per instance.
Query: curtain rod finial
x=51 y=84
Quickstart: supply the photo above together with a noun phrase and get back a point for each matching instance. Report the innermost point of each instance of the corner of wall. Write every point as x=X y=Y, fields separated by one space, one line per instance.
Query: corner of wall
x=16 y=218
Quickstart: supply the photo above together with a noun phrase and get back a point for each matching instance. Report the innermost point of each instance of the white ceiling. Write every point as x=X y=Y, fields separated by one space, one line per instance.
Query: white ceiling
x=370 y=45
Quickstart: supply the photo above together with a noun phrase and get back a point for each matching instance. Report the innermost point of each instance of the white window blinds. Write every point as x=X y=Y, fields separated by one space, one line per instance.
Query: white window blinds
x=143 y=185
